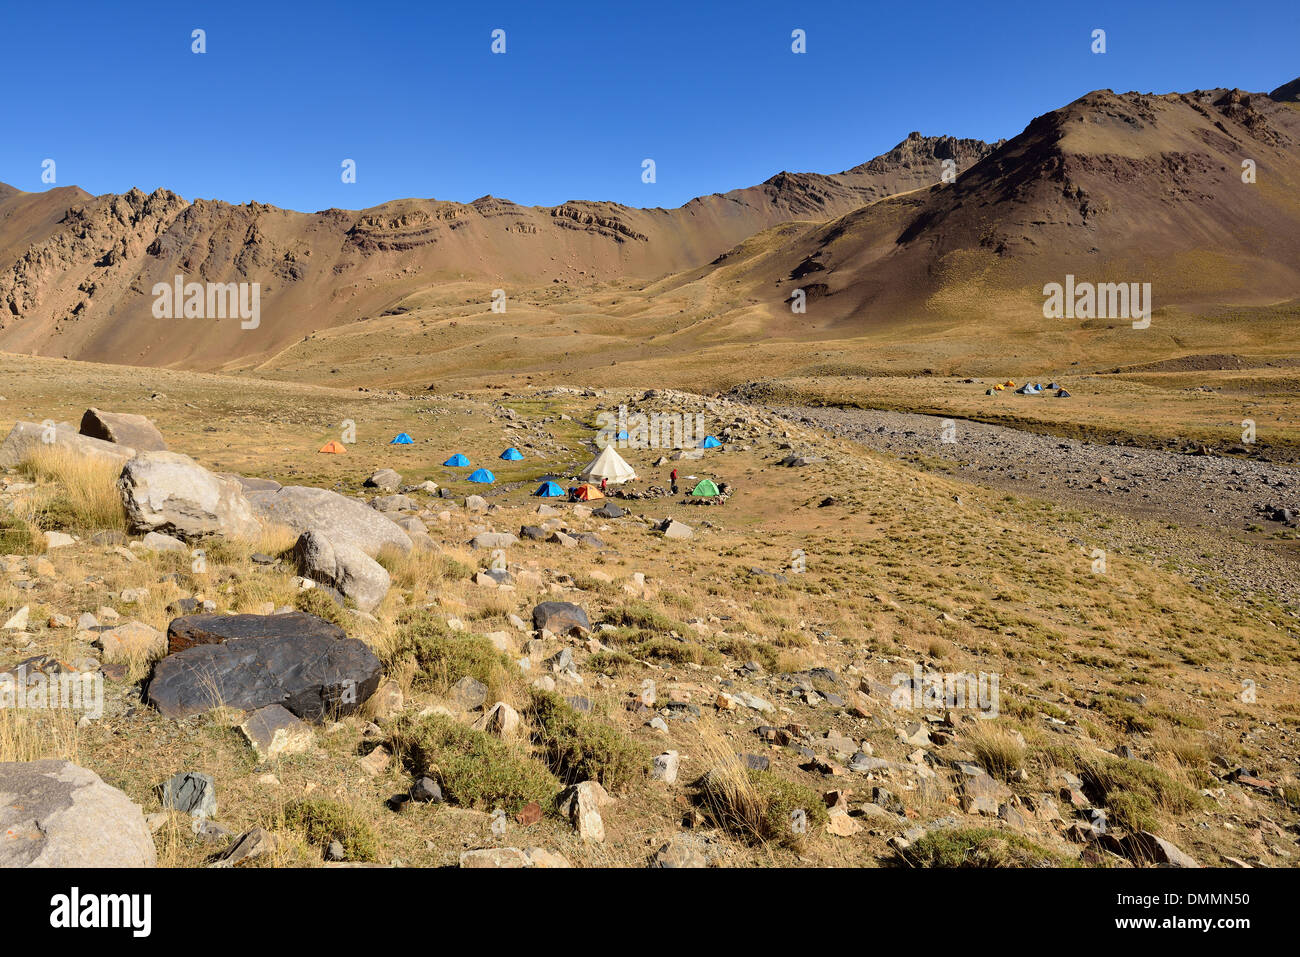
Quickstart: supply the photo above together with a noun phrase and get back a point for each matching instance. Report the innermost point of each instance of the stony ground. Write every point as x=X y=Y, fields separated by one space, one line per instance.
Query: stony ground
x=1245 y=510
x=767 y=659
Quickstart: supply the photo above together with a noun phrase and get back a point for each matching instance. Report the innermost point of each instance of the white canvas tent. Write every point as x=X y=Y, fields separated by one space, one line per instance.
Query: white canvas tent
x=608 y=465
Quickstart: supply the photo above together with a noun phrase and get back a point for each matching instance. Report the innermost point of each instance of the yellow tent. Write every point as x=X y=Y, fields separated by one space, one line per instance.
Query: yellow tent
x=999 y=388
x=1008 y=384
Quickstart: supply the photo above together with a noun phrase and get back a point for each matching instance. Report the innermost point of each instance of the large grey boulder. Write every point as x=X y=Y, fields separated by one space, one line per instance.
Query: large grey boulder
x=343 y=566
x=341 y=519
x=169 y=492
x=493 y=540
x=26 y=438
x=56 y=814
x=123 y=428
x=560 y=618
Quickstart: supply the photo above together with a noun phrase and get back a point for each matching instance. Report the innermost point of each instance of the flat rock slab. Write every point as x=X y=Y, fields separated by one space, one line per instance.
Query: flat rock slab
x=312 y=676
x=190 y=630
x=56 y=814
x=273 y=731
x=339 y=518
x=123 y=428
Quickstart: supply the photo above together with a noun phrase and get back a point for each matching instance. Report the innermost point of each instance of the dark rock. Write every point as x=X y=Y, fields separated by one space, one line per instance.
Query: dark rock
x=560 y=618
x=191 y=630
x=190 y=793
x=426 y=791
x=313 y=675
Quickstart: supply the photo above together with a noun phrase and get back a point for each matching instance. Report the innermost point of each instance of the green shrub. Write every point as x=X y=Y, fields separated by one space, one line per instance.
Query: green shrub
x=322 y=821
x=474 y=768
x=441 y=657
x=980 y=847
x=313 y=601
x=579 y=748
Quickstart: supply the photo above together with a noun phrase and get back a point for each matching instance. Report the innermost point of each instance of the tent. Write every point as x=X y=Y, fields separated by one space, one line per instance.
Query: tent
x=1028 y=389
x=585 y=492
x=705 y=487
x=457 y=461
x=549 y=490
x=401 y=438
x=608 y=465
x=989 y=392
x=1062 y=394
x=1052 y=385
x=999 y=388
x=512 y=454
x=334 y=447
x=709 y=442
x=1008 y=384
x=482 y=476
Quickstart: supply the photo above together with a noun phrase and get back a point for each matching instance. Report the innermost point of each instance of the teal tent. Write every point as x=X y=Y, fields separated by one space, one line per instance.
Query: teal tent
x=710 y=442
x=549 y=490
x=482 y=476
x=457 y=461
x=512 y=454
x=402 y=439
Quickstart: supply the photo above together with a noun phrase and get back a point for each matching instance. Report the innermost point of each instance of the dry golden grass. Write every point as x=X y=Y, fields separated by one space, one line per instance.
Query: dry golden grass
x=82 y=493
x=30 y=735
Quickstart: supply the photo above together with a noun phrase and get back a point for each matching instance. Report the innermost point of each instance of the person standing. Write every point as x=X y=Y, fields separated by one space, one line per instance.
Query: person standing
x=603 y=480
x=674 y=481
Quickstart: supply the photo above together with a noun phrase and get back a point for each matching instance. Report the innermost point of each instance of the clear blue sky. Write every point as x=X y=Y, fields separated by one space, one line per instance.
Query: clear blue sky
x=584 y=93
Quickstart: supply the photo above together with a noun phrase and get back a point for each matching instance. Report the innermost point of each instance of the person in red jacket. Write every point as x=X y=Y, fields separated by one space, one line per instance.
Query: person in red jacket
x=603 y=480
x=674 y=481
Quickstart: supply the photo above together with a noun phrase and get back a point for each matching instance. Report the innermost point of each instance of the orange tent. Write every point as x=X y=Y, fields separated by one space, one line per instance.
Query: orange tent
x=334 y=447
x=586 y=493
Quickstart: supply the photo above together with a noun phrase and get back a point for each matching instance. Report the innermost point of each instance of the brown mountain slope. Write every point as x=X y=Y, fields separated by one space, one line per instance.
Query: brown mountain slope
x=80 y=284
x=1122 y=188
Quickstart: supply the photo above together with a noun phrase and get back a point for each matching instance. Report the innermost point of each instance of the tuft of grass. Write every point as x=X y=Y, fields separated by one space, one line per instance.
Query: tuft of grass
x=32 y=735
x=1000 y=750
x=437 y=657
x=578 y=748
x=980 y=847
x=474 y=768
x=322 y=821
x=756 y=806
x=313 y=601
x=20 y=537
x=82 y=491
x=1132 y=791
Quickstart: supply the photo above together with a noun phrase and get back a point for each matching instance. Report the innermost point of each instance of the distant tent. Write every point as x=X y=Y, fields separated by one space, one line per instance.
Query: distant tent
x=549 y=490
x=989 y=392
x=457 y=461
x=585 y=492
x=334 y=447
x=1028 y=389
x=482 y=476
x=705 y=488
x=709 y=442
x=621 y=437
x=512 y=454
x=608 y=465
x=1052 y=385
x=1062 y=394
x=998 y=388
x=401 y=438
x=1008 y=384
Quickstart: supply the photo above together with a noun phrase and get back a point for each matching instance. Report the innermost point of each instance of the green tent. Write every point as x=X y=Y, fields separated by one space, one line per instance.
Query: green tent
x=705 y=488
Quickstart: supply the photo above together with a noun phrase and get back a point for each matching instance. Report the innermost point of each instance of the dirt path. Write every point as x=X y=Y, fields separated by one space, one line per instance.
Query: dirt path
x=1220 y=509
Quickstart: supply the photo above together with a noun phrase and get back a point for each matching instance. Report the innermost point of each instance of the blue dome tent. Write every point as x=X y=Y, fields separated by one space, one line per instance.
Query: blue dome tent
x=457 y=461
x=482 y=476
x=709 y=442
x=401 y=438
x=549 y=490
x=512 y=454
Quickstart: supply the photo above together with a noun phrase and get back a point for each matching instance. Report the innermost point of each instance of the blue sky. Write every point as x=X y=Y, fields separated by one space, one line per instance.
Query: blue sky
x=584 y=92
